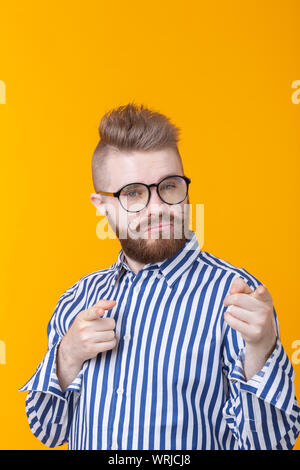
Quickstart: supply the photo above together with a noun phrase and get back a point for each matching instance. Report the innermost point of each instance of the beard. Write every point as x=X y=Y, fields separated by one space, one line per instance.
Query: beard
x=153 y=250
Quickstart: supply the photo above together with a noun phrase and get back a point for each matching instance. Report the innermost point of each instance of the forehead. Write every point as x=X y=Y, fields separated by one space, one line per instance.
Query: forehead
x=142 y=167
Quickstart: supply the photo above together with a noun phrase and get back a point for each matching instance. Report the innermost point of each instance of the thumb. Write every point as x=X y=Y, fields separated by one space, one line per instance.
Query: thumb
x=93 y=313
x=239 y=285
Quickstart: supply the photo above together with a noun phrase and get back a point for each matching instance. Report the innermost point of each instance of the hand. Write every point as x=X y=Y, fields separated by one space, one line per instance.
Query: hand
x=251 y=313
x=89 y=334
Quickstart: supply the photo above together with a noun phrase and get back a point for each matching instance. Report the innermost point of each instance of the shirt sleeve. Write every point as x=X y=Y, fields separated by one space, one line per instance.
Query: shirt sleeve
x=262 y=413
x=50 y=410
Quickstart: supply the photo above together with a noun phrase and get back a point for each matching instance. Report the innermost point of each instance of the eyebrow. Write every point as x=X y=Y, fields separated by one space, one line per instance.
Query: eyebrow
x=161 y=178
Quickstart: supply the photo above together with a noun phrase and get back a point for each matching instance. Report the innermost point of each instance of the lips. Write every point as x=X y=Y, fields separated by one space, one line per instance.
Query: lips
x=159 y=227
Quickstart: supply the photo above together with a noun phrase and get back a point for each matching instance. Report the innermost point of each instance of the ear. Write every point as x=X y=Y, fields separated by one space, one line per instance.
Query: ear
x=98 y=202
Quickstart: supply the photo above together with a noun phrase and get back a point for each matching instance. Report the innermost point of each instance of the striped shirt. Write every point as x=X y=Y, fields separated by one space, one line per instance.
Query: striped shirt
x=175 y=378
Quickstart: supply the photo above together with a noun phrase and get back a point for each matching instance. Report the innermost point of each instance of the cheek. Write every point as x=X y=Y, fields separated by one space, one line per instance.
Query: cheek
x=180 y=212
x=114 y=214
x=126 y=220
x=119 y=220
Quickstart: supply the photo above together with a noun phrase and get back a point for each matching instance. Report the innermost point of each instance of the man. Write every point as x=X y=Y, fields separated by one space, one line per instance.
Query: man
x=170 y=347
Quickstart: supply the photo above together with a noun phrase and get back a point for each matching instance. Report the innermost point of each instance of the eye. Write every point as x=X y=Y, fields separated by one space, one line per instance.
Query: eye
x=131 y=192
x=169 y=186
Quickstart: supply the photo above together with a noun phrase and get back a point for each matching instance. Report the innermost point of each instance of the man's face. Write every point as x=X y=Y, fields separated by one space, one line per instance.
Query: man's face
x=139 y=238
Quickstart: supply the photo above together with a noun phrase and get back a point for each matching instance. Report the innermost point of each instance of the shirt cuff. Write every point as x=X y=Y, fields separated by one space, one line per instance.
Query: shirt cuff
x=273 y=383
x=45 y=378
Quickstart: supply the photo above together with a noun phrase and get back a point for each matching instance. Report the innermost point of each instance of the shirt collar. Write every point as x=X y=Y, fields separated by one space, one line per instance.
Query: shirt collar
x=171 y=268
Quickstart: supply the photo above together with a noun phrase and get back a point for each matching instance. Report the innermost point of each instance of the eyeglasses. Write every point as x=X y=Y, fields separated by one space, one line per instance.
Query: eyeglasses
x=134 y=197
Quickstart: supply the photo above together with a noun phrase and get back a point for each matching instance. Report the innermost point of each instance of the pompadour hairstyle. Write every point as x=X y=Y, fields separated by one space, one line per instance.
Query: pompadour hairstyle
x=131 y=128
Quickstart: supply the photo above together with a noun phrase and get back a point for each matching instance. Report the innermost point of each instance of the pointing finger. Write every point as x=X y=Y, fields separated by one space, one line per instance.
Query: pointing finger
x=240 y=285
x=93 y=313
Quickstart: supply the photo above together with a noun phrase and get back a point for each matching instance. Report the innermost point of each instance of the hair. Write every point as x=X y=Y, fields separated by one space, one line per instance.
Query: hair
x=131 y=128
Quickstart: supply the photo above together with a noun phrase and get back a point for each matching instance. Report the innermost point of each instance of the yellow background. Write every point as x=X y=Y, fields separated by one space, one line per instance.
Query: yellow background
x=222 y=71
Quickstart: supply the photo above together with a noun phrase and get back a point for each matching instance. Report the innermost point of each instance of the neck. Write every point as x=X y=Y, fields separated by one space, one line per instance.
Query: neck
x=135 y=266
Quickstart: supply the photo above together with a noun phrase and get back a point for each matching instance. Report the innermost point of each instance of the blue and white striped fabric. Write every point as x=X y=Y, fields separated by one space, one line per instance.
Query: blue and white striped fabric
x=175 y=379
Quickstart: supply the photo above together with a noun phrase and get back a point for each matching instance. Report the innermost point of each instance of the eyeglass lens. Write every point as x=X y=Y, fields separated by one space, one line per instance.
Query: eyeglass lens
x=172 y=190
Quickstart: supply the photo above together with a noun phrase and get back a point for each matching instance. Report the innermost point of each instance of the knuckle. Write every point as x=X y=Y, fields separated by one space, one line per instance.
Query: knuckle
x=80 y=329
x=109 y=323
x=111 y=335
x=84 y=338
x=108 y=345
x=106 y=336
x=81 y=326
x=258 y=330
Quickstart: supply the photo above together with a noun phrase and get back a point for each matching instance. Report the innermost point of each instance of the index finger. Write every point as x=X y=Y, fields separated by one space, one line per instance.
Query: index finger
x=93 y=313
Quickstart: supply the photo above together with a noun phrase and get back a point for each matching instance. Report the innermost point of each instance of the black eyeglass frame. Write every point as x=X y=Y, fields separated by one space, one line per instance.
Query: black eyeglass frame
x=148 y=186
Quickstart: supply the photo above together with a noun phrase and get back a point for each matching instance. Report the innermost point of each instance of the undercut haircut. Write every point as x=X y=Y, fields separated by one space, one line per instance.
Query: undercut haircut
x=130 y=128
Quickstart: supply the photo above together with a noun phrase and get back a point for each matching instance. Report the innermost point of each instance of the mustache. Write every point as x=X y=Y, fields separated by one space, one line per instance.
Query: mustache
x=154 y=221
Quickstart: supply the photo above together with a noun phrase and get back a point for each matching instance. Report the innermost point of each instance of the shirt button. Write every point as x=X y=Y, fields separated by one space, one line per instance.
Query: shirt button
x=120 y=391
x=126 y=338
x=114 y=445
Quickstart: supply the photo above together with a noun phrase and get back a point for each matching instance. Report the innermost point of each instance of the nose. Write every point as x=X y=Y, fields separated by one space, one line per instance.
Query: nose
x=154 y=199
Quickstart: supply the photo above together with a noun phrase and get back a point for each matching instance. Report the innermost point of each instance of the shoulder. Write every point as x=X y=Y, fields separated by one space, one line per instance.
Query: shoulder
x=76 y=298
x=96 y=276
x=232 y=271
x=89 y=281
